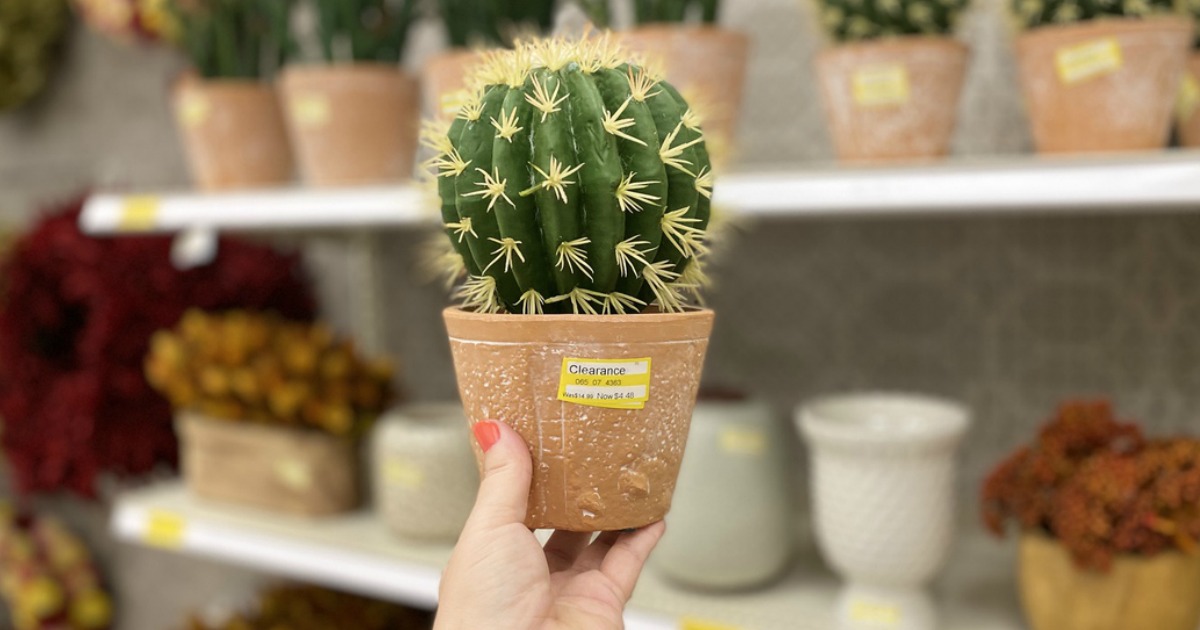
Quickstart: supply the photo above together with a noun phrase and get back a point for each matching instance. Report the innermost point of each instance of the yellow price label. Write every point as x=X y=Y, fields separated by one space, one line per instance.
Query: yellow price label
x=874 y=613
x=194 y=110
x=608 y=383
x=311 y=110
x=1088 y=60
x=1189 y=98
x=138 y=214
x=742 y=441
x=879 y=85
x=164 y=529
x=402 y=473
x=689 y=623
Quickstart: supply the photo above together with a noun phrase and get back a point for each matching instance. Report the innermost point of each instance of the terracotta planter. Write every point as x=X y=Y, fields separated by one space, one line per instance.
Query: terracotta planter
x=1105 y=85
x=706 y=64
x=276 y=468
x=352 y=124
x=892 y=99
x=444 y=81
x=596 y=468
x=232 y=132
x=1189 y=104
x=1160 y=592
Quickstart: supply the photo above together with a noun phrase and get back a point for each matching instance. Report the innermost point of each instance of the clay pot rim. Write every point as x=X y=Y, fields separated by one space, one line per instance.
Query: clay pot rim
x=189 y=416
x=1106 y=25
x=824 y=424
x=1043 y=536
x=691 y=325
x=319 y=70
x=190 y=79
x=670 y=30
x=896 y=42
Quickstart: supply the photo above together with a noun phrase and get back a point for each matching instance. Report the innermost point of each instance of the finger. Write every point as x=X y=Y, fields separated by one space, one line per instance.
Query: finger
x=564 y=548
x=624 y=561
x=507 y=470
x=591 y=557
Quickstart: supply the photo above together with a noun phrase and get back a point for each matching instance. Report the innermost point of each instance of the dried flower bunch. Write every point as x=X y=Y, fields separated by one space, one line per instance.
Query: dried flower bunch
x=253 y=367
x=1034 y=13
x=1100 y=487
x=573 y=182
x=857 y=20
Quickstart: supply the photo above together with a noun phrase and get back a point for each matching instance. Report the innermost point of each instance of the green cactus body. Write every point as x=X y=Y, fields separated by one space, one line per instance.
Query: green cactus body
x=858 y=20
x=582 y=181
x=1034 y=13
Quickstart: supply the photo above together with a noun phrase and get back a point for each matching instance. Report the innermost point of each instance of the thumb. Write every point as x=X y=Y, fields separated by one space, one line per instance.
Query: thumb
x=507 y=472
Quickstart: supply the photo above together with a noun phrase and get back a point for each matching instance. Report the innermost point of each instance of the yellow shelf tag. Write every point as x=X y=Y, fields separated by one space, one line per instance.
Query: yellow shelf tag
x=311 y=110
x=874 y=613
x=1189 y=99
x=608 y=383
x=1088 y=60
x=878 y=85
x=164 y=529
x=138 y=214
x=688 y=623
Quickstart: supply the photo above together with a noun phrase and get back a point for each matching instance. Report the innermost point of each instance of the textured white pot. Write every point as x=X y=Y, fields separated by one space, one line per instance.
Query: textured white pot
x=729 y=525
x=883 y=483
x=424 y=473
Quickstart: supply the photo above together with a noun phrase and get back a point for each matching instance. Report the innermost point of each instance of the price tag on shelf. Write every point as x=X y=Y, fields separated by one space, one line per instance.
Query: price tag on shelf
x=164 y=529
x=1088 y=60
x=877 y=85
x=874 y=613
x=138 y=213
x=608 y=383
x=689 y=623
x=311 y=110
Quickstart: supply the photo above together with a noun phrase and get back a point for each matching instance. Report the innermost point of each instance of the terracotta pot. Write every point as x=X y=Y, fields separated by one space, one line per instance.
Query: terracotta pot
x=444 y=81
x=1104 y=85
x=894 y=98
x=233 y=133
x=1160 y=592
x=706 y=64
x=1189 y=104
x=281 y=469
x=352 y=124
x=596 y=468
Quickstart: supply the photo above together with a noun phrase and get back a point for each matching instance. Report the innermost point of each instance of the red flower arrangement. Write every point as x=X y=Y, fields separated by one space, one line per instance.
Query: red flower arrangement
x=76 y=318
x=1099 y=487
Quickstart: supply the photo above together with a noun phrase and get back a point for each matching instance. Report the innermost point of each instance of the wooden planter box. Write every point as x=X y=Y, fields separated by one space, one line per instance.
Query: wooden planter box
x=280 y=469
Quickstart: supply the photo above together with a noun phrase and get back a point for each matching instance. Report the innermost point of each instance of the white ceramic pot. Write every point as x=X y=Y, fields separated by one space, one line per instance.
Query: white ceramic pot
x=729 y=526
x=425 y=478
x=883 y=484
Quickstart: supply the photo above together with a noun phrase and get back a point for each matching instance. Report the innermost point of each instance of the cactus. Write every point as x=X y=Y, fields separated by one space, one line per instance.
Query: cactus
x=243 y=39
x=573 y=182
x=1034 y=13
x=373 y=30
x=857 y=20
x=494 y=23
x=654 y=11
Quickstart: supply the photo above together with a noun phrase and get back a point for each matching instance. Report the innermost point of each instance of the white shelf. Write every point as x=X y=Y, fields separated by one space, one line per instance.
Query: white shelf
x=1161 y=180
x=356 y=553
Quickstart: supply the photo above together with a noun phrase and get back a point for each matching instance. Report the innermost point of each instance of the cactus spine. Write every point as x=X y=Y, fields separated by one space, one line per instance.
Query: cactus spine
x=575 y=182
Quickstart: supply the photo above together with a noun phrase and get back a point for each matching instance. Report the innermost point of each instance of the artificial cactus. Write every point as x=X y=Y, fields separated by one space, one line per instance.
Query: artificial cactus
x=857 y=20
x=575 y=182
x=373 y=30
x=655 y=11
x=241 y=39
x=1034 y=13
x=494 y=22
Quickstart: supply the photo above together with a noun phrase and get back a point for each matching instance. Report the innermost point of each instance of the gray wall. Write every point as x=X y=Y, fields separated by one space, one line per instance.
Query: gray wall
x=1007 y=314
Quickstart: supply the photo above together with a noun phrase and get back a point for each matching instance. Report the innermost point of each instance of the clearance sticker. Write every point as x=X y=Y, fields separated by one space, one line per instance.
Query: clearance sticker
x=609 y=383
x=1088 y=60
x=874 y=613
x=688 y=623
x=1189 y=99
x=311 y=110
x=164 y=529
x=138 y=213
x=887 y=84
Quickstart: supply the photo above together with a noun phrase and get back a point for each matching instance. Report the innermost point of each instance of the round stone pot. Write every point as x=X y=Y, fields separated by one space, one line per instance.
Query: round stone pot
x=603 y=401
x=883 y=485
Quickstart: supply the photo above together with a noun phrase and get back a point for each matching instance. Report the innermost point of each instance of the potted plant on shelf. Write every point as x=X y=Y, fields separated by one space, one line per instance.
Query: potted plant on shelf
x=1188 y=105
x=891 y=84
x=1100 y=76
x=226 y=110
x=705 y=62
x=270 y=412
x=354 y=119
x=1109 y=523
x=472 y=25
x=577 y=234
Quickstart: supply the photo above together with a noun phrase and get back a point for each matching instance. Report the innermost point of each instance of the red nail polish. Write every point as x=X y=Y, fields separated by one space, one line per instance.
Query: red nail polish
x=486 y=433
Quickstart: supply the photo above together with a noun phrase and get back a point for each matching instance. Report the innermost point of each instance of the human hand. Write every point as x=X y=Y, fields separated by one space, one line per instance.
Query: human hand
x=499 y=576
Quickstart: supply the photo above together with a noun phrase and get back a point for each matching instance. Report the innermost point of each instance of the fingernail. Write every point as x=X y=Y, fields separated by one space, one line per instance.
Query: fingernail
x=486 y=433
